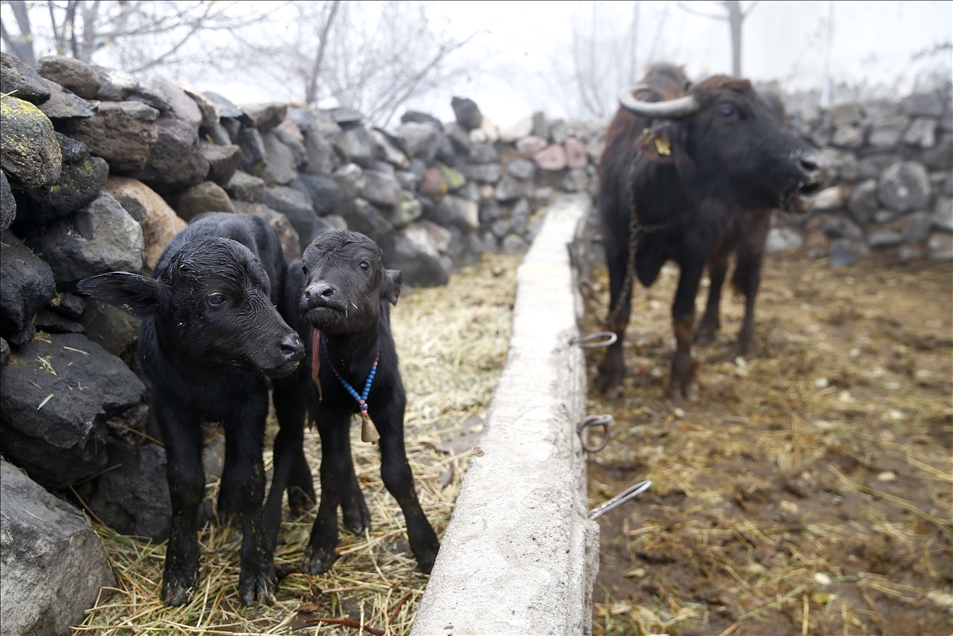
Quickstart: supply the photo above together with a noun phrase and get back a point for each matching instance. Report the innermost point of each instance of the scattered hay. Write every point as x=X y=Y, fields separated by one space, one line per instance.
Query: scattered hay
x=452 y=343
x=808 y=489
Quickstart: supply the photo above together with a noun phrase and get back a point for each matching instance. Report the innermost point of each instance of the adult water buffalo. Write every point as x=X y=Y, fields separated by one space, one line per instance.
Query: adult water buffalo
x=683 y=166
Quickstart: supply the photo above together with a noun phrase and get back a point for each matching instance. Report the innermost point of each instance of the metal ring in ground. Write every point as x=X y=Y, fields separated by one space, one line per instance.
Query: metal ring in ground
x=592 y=341
x=589 y=422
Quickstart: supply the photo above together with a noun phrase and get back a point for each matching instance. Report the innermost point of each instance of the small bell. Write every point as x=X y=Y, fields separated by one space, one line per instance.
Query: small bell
x=368 y=430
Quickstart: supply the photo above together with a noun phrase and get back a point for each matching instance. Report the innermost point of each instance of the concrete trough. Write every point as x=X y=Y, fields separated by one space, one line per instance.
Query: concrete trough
x=520 y=555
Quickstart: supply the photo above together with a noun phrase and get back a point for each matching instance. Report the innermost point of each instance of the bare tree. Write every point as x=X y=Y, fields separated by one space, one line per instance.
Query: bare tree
x=139 y=35
x=370 y=57
x=21 y=43
x=606 y=53
x=735 y=17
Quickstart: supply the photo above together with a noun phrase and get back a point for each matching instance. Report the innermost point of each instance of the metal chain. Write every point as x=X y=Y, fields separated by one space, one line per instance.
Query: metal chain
x=635 y=228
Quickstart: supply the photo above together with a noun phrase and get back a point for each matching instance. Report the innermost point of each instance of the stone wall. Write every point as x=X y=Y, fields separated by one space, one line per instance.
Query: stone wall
x=892 y=191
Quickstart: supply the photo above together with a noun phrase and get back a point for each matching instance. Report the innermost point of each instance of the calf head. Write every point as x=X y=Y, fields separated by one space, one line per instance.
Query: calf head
x=212 y=308
x=346 y=285
x=730 y=145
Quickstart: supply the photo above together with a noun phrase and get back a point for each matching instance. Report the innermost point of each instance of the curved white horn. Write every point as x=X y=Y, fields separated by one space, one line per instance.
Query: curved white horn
x=670 y=109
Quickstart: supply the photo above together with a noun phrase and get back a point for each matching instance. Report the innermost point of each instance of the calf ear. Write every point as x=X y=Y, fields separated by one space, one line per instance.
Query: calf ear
x=390 y=288
x=134 y=294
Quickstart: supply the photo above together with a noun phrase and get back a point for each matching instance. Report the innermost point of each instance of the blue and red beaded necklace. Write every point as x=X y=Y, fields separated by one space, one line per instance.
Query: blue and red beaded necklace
x=368 y=430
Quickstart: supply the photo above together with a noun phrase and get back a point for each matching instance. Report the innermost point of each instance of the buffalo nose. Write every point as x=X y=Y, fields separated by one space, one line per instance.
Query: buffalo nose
x=291 y=347
x=319 y=290
x=811 y=162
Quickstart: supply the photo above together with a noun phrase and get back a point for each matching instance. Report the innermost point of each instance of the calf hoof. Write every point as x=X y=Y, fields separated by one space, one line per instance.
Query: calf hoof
x=317 y=560
x=299 y=501
x=224 y=510
x=425 y=561
x=357 y=518
x=177 y=587
x=258 y=586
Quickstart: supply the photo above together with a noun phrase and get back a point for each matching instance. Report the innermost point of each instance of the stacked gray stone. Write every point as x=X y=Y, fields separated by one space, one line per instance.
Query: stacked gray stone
x=891 y=192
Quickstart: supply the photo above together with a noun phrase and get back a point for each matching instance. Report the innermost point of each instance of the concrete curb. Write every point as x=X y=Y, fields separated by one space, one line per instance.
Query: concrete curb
x=520 y=555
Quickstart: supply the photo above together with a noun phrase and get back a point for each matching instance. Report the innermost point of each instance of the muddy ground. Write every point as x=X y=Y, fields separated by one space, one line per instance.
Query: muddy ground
x=808 y=488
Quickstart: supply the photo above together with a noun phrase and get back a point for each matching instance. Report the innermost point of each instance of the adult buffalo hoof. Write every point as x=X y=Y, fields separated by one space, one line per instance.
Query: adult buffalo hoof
x=684 y=370
x=706 y=332
x=611 y=370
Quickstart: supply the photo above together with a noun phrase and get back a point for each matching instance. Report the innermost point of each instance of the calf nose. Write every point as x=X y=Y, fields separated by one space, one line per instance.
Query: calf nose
x=321 y=289
x=292 y=348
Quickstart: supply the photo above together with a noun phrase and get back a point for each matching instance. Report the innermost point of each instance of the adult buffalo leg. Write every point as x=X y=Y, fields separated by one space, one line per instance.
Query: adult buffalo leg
x=182 y=436
x=243 y=480
x=399 y=481
x=612 y=367
x=711 y=320
x=747 y=275
x=684 y=366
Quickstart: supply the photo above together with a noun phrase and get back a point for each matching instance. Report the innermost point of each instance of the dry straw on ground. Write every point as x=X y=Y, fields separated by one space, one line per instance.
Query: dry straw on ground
x=809 y=489
x=452 y=343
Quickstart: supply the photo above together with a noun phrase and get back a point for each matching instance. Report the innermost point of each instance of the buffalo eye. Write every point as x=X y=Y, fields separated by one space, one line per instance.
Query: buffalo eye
x=304 y=269
x=365 y=265
x=727 y=112
x=216 y=299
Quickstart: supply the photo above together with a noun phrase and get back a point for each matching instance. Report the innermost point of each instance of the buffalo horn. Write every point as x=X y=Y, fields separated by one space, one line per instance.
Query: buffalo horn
x=671 y=109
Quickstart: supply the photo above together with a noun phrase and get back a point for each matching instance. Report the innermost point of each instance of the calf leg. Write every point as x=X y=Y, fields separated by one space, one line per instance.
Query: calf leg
x=684 y=366
x=337 y=475
x=399 y=481
x=711 y=321
x=357 y=517
x=291 y=471
x=243 y=479
x=182 y=436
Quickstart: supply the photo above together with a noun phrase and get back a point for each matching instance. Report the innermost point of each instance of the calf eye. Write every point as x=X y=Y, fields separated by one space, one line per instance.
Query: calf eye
x=304 y=269
x=365 y=265
x=216 y=299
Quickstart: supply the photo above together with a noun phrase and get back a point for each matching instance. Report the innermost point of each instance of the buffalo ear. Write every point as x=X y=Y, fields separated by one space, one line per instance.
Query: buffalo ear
x=390 y=287
x=658 y=143
x=134 y=294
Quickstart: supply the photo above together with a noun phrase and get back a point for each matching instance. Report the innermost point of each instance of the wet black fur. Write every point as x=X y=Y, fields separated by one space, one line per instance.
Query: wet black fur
x=330 y=291
x=210 y=332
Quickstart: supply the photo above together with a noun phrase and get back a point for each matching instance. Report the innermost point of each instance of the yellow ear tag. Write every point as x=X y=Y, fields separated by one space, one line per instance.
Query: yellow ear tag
x=663 y=146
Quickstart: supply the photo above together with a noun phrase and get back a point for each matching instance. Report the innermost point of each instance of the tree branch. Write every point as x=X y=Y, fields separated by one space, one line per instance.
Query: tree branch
x=311 y=93
x=710 y=16
x=22 y=44
x=196 y=26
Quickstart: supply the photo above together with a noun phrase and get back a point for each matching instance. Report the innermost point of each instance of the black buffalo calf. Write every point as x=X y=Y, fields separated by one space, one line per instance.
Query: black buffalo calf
x=210 y=332
x=342 y=295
